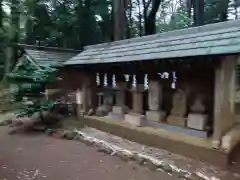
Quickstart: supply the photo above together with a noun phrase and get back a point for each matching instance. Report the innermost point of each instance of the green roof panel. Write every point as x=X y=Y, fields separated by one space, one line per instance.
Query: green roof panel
x=214 y=39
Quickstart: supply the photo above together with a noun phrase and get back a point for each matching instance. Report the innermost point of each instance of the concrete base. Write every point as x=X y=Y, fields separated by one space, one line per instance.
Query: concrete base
x=178 y=129
x=134 y=119
x=176 y=120
x=186 y=145
x=231 y=139
x=197 y=121
x=116 y=116
x=157 y=116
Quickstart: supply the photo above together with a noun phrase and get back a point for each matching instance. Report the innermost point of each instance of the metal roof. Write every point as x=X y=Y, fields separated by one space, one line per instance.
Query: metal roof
x=213 y=39
x=47 y=55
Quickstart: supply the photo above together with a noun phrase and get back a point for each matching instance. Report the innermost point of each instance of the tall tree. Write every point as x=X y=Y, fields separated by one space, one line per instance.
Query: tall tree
x=104 y=9
x=140 y=27
x=1 y=14
x=198 y=12
x=150 y=18
x=13 y=51
x=208 y=11
x=86 y=24
x=119 y=7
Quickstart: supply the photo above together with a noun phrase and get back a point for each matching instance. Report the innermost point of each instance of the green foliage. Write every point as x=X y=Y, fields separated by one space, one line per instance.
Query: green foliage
x=215 y=11
x=71 y=24
x=31 y=81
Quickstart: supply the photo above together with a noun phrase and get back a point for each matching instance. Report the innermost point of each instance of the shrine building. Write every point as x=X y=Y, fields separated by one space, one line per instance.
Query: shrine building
x=177 y=90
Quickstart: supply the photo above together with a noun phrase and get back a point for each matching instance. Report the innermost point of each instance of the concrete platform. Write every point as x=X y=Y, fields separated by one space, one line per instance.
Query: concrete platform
x=179 y=143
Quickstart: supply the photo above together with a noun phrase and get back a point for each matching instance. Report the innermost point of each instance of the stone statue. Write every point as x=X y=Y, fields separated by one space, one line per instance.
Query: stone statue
x=179 y=109
x=179 y=103
x=154 y=95
x=198 y=106
x=196 y=118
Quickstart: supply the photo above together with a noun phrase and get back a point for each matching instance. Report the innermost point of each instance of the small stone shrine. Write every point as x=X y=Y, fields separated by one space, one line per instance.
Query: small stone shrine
x=121 y=87
x=196 y=118
x=155 y=102
x=136 y=117
x=179 y=109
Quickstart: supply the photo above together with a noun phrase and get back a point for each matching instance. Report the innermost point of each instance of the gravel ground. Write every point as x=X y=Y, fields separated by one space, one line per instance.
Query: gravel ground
x=181 y=162
x=34 y=156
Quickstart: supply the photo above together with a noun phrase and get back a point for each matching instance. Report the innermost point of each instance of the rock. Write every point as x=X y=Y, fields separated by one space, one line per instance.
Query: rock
x=6 y=122
x=49 y=132
x=103 y=110
x=70 y=135
x=165 y=167
x=90 y=112
x=87 y=142
x=59 y=134
x=182 y=174
x=104 y=149
x=138 y=159
x=117 y=166
x=78 y=137
x=193 y=176
x=123 y=156
x=152 y=166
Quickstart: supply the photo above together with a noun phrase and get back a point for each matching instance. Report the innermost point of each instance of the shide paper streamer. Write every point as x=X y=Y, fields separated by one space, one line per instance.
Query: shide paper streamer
x=164 y=75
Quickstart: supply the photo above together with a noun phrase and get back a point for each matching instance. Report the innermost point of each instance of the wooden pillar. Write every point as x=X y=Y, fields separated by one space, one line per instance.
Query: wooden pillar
x=89 y=87
x=224 y=98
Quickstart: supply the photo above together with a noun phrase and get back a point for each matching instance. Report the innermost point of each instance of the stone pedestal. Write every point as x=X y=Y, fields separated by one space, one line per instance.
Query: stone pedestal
x=137 y=102
x=197 y=121
x=120 y=98
x=157 y=116
x=231 y=139
x=134 y=119
x=176 y=120
x=119 y=110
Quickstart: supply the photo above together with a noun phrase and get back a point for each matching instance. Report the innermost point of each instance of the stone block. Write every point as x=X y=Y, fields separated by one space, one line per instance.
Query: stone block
x=134 y=119
x=197 y=121
x=231 y=139
x=176 y=120
x=157 y=116
x=119 y=110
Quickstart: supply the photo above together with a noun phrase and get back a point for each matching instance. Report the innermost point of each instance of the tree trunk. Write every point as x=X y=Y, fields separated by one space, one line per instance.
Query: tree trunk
x=224 y=10
x=1 y=14
x=198 y=16
x=139 y=18
x=189 y=8
x=150 y=23
x=15 y=15
x=129 y=19
x=119 y=20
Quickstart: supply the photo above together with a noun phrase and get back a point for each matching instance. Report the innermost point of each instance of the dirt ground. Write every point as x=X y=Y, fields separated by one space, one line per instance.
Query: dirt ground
x=40 y=157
